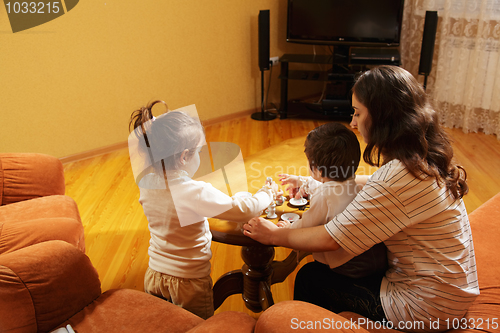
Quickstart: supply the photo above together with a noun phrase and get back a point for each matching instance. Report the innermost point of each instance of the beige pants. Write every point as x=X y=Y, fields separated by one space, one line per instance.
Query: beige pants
x=194 y=295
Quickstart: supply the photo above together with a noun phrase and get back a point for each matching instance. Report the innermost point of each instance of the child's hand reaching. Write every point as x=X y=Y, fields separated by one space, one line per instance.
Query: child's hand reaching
x=292 y=180
x=273 y=186
x=294 y=183
x=301 y=193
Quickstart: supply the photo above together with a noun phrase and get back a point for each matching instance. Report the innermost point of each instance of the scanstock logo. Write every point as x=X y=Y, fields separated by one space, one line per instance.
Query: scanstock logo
x=25 y=15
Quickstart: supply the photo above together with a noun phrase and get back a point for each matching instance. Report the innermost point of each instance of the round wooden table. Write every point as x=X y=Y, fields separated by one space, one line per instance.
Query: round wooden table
x=259 y=270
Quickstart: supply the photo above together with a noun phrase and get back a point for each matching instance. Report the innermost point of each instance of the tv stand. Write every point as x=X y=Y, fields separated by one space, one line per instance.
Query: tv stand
x=345 y=62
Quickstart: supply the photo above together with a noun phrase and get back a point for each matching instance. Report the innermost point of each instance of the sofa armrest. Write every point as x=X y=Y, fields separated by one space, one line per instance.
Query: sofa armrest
x=26 y=223
x=292 y=316
x=485 y=235
x=368 y=324
x=43 y=285
x=26 y=176
x=128 y=310
x=226 y=322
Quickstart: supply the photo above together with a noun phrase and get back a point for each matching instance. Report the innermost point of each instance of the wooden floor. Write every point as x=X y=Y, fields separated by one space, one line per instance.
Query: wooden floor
x=116 y=232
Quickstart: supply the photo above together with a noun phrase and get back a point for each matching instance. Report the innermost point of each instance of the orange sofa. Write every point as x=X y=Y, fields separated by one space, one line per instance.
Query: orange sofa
x=33 y=207
x=47 y=281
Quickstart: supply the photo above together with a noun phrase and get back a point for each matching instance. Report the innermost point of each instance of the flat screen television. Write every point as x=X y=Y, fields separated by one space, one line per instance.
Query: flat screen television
x=345 y=22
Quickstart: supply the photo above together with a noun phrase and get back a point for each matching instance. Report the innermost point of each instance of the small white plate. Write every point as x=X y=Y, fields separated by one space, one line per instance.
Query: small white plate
x=290 y=217
x=243 y=195
x=298 y=202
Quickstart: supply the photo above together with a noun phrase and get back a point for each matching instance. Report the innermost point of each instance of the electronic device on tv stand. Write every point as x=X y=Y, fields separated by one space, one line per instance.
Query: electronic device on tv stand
x=376 y=56
x=359 y=33
x=341 y=22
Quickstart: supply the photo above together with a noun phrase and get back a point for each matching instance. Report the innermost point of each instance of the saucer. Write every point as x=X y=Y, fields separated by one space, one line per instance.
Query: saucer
x=298 y=202
x=290 y=217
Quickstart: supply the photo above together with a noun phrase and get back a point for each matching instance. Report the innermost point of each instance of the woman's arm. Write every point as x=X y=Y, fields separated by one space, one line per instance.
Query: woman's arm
x=314 y=239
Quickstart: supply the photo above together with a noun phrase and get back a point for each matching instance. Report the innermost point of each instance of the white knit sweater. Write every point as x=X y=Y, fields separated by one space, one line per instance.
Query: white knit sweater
x=184 y=251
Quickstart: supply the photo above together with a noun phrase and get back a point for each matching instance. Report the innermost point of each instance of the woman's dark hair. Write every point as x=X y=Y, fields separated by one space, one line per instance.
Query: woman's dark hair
x=403 y=126
x=167 y=135
x=334 y=150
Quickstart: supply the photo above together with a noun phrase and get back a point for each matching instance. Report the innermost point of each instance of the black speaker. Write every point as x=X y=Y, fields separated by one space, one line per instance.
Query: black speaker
x=428 y=41
x=264 y=40
x=264 y=63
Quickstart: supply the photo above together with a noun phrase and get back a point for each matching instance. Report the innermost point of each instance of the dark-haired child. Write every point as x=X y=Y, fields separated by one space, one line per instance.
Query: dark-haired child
x=333 y=153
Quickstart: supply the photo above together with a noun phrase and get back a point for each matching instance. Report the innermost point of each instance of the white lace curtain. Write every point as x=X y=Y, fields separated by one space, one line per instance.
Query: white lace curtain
x=464 y=84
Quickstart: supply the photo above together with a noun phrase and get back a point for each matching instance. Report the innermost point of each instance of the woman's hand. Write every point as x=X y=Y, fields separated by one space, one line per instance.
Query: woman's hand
x=260 y=230
x=313 y=239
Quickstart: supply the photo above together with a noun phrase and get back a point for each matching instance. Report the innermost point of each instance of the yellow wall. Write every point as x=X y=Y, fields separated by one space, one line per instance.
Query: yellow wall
x=69 y=85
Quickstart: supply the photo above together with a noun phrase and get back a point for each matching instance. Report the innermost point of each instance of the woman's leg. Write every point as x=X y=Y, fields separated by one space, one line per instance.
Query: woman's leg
x=316 y=283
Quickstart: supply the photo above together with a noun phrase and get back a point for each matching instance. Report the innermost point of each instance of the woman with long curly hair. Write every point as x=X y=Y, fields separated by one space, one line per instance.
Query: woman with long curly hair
x=412 y=203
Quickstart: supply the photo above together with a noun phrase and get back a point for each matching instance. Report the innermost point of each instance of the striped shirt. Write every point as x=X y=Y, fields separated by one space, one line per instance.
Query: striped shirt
x=432 y=269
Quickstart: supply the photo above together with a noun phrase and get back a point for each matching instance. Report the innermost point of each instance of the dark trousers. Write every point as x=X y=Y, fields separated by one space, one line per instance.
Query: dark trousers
x=316 y=283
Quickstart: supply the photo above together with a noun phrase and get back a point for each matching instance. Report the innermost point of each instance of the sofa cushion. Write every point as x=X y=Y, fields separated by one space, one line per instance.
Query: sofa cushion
x=486 y=235
x=226 y=322
x=127 y=310
x=43 y=285
x=26 y=176
x=51 y=206
x=292 y=316
x=34 y=221
x=1 y=182
x=17 y=312
x=484 y=223
x=15 y=236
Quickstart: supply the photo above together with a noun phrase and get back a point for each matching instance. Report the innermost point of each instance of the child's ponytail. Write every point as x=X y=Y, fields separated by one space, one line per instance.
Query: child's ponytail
x=143 y=115
x=168 y=135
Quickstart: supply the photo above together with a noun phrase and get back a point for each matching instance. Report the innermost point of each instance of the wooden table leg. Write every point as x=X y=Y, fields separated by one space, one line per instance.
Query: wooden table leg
x=281 y=269
x=228 y=284
x=257 y=269
x=265 y=295
x=255 y=278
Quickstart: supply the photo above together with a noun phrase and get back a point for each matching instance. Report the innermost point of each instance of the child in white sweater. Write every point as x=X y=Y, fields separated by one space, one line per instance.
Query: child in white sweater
x=177 y=207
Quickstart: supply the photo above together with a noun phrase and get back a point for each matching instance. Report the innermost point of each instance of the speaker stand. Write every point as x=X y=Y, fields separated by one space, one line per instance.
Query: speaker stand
x=425 y=82
x=263 y=114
